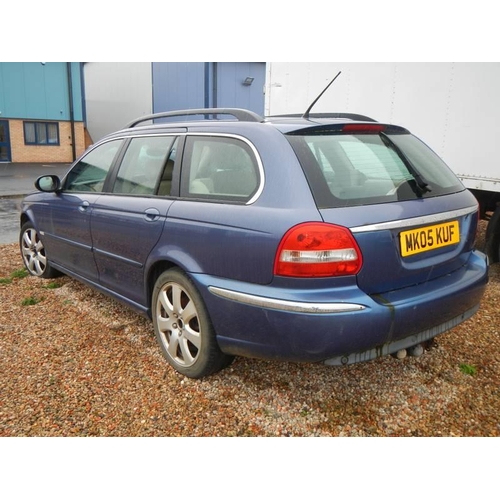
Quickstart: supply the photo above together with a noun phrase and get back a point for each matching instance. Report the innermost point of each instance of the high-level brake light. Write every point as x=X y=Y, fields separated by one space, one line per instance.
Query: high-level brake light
x=354 y=128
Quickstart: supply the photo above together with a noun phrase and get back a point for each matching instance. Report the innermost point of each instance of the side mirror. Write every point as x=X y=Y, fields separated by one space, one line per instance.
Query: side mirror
x=48 y=183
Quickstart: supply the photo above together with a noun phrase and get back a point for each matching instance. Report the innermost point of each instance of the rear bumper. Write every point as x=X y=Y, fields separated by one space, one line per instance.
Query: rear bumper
x=338 y=323
x=404 y=343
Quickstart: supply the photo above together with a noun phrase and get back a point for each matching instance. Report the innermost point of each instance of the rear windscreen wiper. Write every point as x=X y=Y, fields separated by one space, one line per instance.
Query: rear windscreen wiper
x=421 y=183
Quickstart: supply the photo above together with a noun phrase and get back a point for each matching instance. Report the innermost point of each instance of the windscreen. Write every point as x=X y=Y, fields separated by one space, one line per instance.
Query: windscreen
x=360 y=169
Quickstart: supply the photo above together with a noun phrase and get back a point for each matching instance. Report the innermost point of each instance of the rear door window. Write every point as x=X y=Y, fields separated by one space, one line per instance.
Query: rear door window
x=146 y=168
x=359 y=169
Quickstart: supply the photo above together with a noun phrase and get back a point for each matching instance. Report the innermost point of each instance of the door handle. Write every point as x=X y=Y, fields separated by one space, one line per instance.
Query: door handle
x=151 y=214
x=84 y=206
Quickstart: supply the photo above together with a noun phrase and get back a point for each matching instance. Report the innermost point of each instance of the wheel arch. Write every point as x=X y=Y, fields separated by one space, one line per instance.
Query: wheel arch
x=162 y=258
x=153 y=273
x=24 y=218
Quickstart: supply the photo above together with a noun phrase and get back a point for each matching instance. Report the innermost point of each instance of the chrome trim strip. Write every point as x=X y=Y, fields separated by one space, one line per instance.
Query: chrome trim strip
x=285 y=305
x=415 y=221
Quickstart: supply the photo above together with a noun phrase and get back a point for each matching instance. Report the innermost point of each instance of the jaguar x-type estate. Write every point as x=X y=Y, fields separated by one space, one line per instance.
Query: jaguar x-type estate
x=317 y=238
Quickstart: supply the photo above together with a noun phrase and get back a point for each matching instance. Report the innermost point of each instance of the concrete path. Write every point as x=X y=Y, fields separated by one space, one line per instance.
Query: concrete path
x=17 y=180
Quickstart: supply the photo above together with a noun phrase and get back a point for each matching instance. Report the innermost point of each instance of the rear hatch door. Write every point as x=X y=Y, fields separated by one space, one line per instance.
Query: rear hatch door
x=412 y=218
x=401 y=248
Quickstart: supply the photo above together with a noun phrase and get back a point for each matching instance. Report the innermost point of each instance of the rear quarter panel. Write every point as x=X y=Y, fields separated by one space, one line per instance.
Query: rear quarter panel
x=240 y=241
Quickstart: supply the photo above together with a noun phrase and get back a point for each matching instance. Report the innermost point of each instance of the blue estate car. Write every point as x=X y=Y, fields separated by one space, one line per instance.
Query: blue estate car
x=330 y=238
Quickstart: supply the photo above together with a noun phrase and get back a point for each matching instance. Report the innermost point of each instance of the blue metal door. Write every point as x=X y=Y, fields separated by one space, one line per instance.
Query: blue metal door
x=178 y=85
x=4 y=141
x=240 y=85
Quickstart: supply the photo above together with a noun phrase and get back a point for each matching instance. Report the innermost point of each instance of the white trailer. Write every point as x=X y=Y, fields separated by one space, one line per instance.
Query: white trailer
x=452 y=107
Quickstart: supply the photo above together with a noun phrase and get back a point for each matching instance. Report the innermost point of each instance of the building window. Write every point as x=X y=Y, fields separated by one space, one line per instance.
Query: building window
x=41 y=133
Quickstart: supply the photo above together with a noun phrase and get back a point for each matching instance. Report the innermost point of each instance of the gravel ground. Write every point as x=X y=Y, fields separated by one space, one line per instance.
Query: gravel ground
x=75 y=363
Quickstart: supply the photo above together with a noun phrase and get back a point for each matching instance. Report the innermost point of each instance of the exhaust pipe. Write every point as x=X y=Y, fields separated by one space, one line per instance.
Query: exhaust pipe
x=401 y=354
x=416 y=350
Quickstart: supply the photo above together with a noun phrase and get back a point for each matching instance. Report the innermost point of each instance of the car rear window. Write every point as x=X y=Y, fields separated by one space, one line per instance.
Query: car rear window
x=367 y=168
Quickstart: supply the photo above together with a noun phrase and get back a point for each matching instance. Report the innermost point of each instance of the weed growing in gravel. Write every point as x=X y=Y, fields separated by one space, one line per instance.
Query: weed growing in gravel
x=52 y=286
x=468 y=369
x=30 y=301
x=19 y=273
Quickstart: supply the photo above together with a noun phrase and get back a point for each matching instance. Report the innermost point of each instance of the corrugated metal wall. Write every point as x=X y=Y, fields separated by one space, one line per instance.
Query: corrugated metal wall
x=116 y=93
x=39 y=91
x=201 y=85
x=178 y=86
x=232 y=91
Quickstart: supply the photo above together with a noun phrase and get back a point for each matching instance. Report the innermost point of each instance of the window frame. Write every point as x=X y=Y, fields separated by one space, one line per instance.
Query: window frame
x=35 y=124
x=113 y=184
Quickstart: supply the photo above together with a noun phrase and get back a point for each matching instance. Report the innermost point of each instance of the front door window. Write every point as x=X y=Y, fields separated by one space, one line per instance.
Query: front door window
x=90 y=172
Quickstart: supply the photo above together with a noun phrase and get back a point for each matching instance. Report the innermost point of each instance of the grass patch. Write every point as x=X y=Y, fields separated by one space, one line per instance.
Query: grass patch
x=468 y=369
x=17 y=274
x=30 y=301
x=52 y=286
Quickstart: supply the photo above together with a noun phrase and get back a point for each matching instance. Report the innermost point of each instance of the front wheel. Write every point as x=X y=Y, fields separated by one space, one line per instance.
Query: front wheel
x=33 y=253
x=183 y=328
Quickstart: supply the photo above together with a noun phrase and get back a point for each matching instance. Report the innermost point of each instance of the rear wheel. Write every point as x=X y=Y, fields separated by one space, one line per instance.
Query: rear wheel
x=34 y=254
x=183 y=328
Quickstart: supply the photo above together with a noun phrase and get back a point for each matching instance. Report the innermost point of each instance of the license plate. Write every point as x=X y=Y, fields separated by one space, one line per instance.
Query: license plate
x=429 y=238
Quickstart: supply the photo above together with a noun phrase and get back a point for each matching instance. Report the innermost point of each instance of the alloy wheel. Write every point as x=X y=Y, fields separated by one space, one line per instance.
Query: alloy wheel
x=33 y=252
x=178 y=324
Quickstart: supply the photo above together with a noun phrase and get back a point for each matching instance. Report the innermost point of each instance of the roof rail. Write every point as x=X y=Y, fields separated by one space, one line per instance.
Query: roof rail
x=351 y=116
x=242 y=115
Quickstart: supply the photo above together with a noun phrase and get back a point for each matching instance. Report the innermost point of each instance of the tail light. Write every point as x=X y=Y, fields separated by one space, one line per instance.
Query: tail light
x=317 y=249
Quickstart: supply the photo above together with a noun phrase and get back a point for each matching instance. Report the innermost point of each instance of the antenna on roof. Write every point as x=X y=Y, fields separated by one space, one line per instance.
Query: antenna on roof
x=306 y=114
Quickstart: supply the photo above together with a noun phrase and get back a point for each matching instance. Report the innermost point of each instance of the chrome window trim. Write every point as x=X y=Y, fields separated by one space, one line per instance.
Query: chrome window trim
x=94 y=146
x=415 y=221
x=286 y=305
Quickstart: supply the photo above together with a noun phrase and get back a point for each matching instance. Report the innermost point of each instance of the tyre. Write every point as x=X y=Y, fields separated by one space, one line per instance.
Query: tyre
x=493 y=237
x=33 y=253
x=183 y=328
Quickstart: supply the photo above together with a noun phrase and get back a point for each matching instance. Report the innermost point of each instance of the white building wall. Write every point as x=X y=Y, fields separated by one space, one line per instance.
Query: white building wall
x=115 y=94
